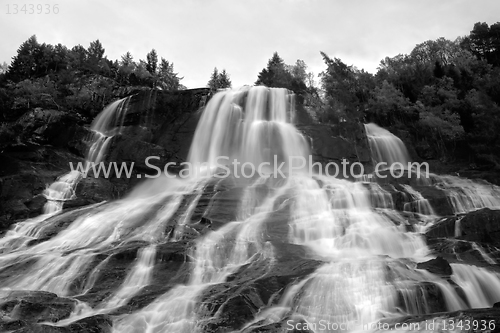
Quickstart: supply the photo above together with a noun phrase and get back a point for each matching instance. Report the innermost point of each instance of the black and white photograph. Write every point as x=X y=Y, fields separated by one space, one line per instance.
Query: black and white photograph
x=249 y=166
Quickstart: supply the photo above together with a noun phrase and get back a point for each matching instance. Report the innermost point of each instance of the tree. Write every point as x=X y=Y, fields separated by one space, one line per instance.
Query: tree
x=275 y=74
x=95 y=51
x=219 y=80
x=167 y=78
x=152 y=61
x=214 y=80
x=387 y=104
x=347 y=89
x=484 y=42
x=78 y=57
x=95 y=54
x=280 y=75
x=23 y=65
x=127 y=59
x=125 y=68
x=224 y=80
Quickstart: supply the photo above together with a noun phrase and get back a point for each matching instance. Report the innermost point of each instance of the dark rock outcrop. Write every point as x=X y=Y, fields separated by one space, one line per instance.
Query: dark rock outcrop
x=37 y=148
x=439 y=265
x=481 y=226
x=20 y=309
x=334 y=143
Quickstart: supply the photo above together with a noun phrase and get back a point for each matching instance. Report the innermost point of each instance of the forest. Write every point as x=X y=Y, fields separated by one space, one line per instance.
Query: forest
x=445 y=94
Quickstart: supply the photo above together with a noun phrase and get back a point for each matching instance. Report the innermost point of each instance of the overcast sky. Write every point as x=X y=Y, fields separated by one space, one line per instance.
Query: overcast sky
x=241 y=36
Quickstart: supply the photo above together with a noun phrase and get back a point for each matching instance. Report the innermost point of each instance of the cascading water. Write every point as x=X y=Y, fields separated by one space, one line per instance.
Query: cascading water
x=466 y=195
x=417 y=203
x=103 y=128
x=108 y=123
x=365 y=258
x=386 y=147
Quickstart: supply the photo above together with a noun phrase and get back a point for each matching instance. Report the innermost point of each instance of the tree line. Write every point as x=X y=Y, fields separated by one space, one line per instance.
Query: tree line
x=444 y=93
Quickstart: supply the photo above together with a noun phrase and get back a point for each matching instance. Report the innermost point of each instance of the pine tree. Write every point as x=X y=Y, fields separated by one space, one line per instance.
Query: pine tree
x=219 y=80
x=223 y=80
x=127 y=59
x=152 y=61
x=212 y=83
x=275 y=74
x=167 y=78
x=95 y=54
x=23 y=65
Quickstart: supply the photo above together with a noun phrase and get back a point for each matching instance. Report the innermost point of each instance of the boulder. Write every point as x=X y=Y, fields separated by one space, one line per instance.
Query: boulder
x=439 y=266
x=334 y=143
x=444 y=227
x=22 y=308
x=481 y=226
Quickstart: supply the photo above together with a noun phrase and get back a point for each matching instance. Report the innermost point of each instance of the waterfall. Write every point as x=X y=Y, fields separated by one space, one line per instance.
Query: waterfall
x=363 y=258
x=251 y=126
x=466 y=195
x=418 y=203
x=481 y=287
x=107 y=123
x=386 y=147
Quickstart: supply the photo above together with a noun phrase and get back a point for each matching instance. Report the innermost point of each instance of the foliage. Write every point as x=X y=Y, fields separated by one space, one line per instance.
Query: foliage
x=78 y=79
x=346 y=89
x=279 y=75
x=443 y=92
x=219 y=80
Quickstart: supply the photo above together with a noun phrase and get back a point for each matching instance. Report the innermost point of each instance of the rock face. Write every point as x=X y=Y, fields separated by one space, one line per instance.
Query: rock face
x=481 y=226
x=36 y=149
x=161 y=124
x=437 y=266
x=334 y=143
x=22 y=309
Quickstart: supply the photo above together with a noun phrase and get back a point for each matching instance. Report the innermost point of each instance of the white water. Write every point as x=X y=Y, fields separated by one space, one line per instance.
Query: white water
x=367 y=260
x=386 y=147
x=481 y=287
x=103 y=128
x=484 y=254
x=466 y=195
x=250 y=125
x=417 y=203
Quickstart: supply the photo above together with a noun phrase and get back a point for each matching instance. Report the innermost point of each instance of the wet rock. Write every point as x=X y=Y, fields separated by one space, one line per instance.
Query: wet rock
x=19 y=308
x=54 y=127
x=170 y=269
x=92 y=190
x=238 y=300
x=481 y=226
x=439 y=266
x=445 y=227
x=460 y=251
x=36 y=204
x=170 y=118
x=478 y=320
x=437 y=199
x=36 y=149
x=92 y=324
x=333 y=143
x=142 y=154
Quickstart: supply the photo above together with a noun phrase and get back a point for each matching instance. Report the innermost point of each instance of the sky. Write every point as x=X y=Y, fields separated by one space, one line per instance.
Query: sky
x=241 y=36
